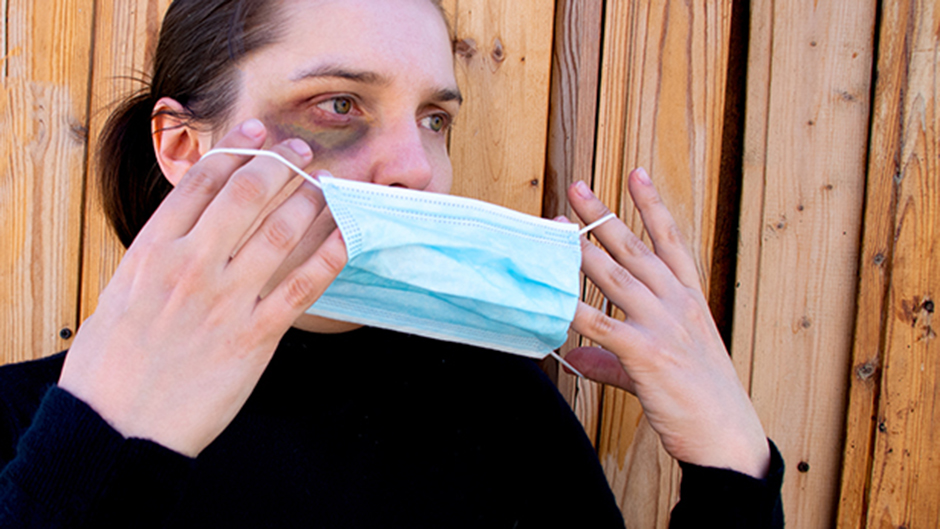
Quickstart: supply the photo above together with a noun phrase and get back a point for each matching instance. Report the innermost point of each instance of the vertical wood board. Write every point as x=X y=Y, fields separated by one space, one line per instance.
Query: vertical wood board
x=125 y=36
x=878 y=246
x=573 y=113
x=43 y=110
x=661 y=107
x=805 y=240
x=904 y=489
x=503 y=63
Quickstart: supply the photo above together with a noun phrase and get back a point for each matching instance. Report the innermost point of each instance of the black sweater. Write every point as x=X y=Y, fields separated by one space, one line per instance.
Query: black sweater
x=364 y=429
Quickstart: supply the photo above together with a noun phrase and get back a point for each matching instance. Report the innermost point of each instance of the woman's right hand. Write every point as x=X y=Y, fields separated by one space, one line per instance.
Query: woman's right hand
x=181 y=334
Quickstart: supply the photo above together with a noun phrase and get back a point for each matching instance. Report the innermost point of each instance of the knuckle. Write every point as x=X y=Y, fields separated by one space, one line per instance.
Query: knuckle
x=635 y=246
x=279 y=233
x=199 y=182
x=671 y=236
x=301 y=289
x=620 y=278
x=333 y=262
x=248 y=187
x=692 y=310
x=601 y=324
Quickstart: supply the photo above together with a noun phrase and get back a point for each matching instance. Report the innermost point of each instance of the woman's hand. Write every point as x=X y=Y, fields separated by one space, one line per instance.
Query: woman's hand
x=668 y=351
x=181 y=334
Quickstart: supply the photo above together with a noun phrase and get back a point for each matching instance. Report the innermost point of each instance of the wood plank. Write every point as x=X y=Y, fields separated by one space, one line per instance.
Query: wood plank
x=504 y=60
x=573 y=114
x=43 y=111
x=810 y=156
x=661 y=107
x=904 y=489
x=878 y=247
x=125 y=37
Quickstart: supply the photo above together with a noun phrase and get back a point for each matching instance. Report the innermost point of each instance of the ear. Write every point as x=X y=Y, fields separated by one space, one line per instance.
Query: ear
x=177 y=145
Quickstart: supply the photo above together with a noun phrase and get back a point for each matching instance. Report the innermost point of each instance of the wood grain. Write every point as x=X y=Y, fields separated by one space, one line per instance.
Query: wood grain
x=661 y=107
x=573 y=114
x=893 y=425
x=125 y=37
x=43 y=113
x=804 y=170
x=878 y=246
x=503 y=63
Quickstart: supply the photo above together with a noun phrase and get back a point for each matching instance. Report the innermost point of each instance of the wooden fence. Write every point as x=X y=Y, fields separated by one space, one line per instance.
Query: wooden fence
x=796 y=143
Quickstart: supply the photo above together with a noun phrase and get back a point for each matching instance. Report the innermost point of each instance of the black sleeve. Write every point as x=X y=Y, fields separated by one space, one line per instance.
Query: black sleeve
x=728 y=499
x=71 y=469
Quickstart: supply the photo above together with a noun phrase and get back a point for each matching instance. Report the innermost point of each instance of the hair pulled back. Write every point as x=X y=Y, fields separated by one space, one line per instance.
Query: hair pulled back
x=200 y=43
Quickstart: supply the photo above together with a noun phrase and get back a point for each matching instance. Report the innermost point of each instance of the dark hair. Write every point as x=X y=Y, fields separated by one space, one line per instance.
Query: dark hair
x=200 y=43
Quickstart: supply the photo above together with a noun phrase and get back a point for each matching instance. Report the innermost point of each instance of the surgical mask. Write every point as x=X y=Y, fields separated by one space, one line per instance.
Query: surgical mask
x=449 y=268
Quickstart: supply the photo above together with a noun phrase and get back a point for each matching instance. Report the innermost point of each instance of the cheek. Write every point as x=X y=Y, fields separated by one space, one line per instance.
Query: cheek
x=443 y=170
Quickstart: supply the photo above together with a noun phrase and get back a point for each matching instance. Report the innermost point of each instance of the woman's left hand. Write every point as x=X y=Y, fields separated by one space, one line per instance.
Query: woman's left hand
x=668 y=351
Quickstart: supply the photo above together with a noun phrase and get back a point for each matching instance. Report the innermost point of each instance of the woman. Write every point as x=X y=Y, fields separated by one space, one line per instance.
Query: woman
x=182 y=401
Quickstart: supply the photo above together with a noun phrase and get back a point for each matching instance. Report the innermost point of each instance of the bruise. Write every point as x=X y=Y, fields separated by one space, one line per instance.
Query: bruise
x=325 y=142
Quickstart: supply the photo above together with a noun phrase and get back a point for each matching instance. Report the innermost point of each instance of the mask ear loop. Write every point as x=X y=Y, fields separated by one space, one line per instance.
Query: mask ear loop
x=269 y=154
x=558 y=357
x=584 y=231
x=595 y=224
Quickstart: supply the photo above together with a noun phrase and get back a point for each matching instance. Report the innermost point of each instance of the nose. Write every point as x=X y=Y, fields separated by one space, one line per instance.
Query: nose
x=401 y=159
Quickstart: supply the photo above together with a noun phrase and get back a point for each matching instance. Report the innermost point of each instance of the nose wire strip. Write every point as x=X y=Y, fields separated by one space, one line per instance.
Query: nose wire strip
x=269 y=154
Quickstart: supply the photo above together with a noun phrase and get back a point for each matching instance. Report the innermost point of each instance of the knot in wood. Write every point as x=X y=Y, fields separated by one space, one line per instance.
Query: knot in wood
x=465 y=48
x=865 y=371
x=499 y=54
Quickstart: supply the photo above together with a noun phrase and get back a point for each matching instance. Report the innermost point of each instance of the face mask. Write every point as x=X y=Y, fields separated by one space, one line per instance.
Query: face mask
x=449 y=268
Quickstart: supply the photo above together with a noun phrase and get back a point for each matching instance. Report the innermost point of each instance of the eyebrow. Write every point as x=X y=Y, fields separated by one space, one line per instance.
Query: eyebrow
x=443 y=95
x=330 y=70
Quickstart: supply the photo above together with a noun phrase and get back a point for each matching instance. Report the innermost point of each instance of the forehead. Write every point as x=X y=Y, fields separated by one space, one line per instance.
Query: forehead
x=388 y=37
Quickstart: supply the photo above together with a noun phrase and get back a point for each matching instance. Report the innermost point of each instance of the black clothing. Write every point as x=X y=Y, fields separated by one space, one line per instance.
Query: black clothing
x=363 y=429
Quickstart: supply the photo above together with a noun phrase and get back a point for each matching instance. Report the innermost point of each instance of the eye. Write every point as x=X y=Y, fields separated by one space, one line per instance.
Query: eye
x=435 y=122
x=337 y=105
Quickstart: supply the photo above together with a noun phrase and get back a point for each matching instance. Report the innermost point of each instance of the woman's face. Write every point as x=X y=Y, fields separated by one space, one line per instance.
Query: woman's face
x=369 y=85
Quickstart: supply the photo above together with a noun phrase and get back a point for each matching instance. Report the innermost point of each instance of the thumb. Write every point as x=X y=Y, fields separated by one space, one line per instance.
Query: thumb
x=601 y=366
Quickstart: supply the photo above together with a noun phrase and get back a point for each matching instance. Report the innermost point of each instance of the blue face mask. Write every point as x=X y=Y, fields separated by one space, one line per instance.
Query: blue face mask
x=450 y=268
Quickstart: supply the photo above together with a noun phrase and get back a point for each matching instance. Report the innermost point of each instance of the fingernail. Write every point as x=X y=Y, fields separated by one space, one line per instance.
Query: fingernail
x=583 y=190
x=253 y=128
x=299 y=146
x=643 y=176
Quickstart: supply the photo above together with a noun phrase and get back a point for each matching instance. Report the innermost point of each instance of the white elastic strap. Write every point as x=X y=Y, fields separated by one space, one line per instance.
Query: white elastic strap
x=566 y=364
x=269 y=154
x=593 y=225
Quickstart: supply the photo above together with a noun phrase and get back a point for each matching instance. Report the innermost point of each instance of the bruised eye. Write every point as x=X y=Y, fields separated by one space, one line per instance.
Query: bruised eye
x=337 y=105
x=435 y=122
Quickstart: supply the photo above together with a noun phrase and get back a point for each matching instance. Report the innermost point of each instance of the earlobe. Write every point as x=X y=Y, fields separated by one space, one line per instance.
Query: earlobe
x=176 y=144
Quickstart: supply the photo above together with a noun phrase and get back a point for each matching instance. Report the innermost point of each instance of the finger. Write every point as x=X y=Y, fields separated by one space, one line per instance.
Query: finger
x=622 y=244
x=303 y=286
x=185 y=204
x=601 y=366
x=276 y=238
x=620 y=338
x=616 y=282
x=247 y=193
x=667 y=239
